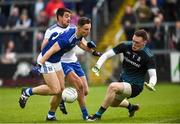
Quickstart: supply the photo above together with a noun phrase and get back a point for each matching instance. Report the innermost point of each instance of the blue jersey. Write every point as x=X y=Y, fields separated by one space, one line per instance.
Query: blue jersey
x=135 y=63
x=66 y=41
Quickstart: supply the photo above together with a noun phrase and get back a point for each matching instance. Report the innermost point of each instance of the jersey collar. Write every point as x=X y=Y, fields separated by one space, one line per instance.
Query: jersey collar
x=60 y=26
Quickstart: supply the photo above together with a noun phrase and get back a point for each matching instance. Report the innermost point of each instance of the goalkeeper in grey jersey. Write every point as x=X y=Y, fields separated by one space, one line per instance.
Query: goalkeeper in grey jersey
x=138 y=60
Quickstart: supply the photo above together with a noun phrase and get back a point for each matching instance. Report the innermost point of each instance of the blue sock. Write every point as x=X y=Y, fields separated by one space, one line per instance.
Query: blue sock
x=100 y=111
x=84 y=112
x=51 y=114
x=29 y=92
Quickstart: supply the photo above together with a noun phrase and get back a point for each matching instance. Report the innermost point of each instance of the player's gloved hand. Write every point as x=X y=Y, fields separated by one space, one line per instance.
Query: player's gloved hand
x=149 y=86
x=96 y=70
x=36 y=68
x=96 y=53
x=91 y=44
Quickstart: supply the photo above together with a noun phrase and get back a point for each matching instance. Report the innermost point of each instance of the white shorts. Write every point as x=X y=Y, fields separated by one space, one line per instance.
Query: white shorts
x=49 y=67
x=126 y=92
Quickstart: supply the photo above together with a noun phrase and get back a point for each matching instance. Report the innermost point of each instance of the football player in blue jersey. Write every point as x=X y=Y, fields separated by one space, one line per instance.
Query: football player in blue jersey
x=138 y=60
x=54 y=73
x=59 y=44
x=63 y=16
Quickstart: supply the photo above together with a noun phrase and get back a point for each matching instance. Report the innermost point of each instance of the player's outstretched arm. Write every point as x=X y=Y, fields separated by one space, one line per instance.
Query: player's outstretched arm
x=101 y=60
x=89 y=47
x=152 y=80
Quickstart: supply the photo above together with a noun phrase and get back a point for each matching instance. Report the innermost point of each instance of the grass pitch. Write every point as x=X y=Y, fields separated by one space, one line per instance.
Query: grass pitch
x=162 y=106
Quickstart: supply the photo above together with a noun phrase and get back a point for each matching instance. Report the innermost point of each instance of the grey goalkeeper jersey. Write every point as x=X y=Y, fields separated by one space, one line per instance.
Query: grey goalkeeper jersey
x=135 y=64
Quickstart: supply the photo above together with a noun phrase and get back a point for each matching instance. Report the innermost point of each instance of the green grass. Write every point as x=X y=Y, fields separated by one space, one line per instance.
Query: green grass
x=162 y=106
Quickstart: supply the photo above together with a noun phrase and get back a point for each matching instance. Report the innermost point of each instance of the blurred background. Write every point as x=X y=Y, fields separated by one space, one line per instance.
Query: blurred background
x=23 y=23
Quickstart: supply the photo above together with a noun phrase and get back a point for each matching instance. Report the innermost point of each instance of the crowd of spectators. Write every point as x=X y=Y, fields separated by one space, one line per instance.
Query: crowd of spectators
x=19 y=19
x=156 y=12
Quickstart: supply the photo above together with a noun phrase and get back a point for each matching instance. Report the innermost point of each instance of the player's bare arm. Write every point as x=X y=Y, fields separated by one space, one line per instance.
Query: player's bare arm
x=83 y=45
x=89 y=47
x=50 y=52
x=45 y=41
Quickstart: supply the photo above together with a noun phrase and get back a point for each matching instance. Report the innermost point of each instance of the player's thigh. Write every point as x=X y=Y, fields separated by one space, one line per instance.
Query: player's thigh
x=116 y=87
x=60 y=75
x=124 y=92
x=85 y=84
x=51 y=80
x=74 y=79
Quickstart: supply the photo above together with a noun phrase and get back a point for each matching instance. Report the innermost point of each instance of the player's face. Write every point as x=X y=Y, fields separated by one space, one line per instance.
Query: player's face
x=65 y=19
x=138 y=43
x=85 y=30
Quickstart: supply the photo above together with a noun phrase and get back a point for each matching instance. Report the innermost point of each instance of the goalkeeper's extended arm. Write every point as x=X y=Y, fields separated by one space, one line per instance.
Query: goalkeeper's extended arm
x=101 y=60
x=152 y=79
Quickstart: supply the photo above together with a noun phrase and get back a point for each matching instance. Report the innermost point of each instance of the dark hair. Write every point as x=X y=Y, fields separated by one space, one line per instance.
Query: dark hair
x=61 y=11
x=83 y=20
x=141 y=33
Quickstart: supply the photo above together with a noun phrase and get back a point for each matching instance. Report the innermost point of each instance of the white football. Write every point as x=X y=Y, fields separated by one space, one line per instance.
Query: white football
x=69 y=95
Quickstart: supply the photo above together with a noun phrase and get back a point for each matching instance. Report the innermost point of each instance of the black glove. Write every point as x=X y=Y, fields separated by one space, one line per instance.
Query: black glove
x=96 y=53
x=91 y=44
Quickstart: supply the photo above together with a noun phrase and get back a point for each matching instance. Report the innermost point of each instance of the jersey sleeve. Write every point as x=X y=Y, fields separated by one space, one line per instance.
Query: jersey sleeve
x=63 y=43
x=47 y=34
x=151 y=63
x=119 y=48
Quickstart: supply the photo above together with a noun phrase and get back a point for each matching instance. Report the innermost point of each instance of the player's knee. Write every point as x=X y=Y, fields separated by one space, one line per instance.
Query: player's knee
x=56 y=91
x=86 y=92
x=79 y=84
x=113 y=87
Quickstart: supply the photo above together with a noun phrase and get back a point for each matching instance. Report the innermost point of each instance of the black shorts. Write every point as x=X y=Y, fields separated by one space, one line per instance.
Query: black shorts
x=136 y=90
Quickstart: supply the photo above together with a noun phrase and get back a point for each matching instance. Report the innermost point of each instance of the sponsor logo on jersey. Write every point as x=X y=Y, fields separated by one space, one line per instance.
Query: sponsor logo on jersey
x=132 y=63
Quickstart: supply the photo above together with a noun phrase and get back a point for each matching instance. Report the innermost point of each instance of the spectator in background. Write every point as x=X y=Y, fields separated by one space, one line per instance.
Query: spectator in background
x=74 y=18
x=25 y=37
x=143 y=12
x=52 y=6
x=158 y=42
x=176 y=36
x=39 y=5
x=13 y=18
x=9 y=56
x=161 y=16
x=155 y=10
x=127 y=21
x=157 y=34
x=42 y=19
x=51 y=9
x=24 y=21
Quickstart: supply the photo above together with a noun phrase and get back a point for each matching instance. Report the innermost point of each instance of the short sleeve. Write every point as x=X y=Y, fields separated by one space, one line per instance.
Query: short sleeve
x=119 y=48
x=63 y=43
x=47 y=34
x=151 y=63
